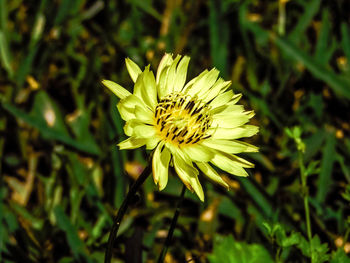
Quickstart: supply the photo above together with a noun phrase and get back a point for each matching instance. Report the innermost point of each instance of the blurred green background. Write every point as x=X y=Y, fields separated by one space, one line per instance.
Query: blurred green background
x=62 y=176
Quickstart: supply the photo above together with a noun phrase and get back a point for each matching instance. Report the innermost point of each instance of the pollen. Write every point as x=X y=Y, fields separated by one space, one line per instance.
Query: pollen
x=182 y=119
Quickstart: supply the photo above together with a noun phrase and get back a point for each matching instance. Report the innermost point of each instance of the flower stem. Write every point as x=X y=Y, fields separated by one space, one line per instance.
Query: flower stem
x=119 y=216
x=306 y=201
x=172 y=226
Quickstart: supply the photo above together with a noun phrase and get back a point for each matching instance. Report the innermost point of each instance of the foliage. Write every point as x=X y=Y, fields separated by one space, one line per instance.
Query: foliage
x=238 y=252
x=62 y=176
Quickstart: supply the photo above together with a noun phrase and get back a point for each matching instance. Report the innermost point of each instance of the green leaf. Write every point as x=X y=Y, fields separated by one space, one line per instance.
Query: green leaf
x=219 y=35
x=25 y=66
x=340 y=257
x=323 y=50
x=76 y=244
x=227 y=250
x=328 y=159
x=5 y=52
x=67 y=8
x=310 y=10
x=49 y=132
x=319 y=251
x=258 y=197
x=5 y=55
x=147 y=7
x=338 y=83
x=346 y=40
x=45 y=109
x=291 y=240
x=80 y=125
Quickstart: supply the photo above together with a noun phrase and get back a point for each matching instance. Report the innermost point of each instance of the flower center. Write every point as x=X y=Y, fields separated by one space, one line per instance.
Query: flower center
x=182 y=120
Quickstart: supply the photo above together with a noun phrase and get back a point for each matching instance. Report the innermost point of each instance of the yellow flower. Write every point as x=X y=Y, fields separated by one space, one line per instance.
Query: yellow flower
x=191 y=127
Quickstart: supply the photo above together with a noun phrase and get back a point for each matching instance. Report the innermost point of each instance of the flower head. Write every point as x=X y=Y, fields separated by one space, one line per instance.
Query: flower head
x=190 y=127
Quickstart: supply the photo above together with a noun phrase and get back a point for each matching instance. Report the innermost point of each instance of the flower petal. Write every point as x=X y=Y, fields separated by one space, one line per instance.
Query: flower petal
x=198 y=152
x=222 y=99
x=202 y=86
x=166 y=60
x=127 y=106
x=211 y=173
x=189 y=84
x=171 y=74
x=144 y=114
x=152 y=143
x=133 y=69
x=181 y=73
x=228 y=108
x=229 y=146
x=118 y=90
x=231 y=164
x=219 y=87
x=235 y=133
x=125 y=112
x=129 y=127
x=160 y=166
x=188 y=175
x=144 y=131
x=229 y=121
x=149 y=91
x=131 y=143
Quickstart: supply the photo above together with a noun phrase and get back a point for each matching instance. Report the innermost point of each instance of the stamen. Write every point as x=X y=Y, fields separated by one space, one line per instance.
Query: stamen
x=182 y=120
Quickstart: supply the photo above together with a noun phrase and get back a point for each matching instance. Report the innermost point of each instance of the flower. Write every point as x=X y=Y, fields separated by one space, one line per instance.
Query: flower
x=190 y=127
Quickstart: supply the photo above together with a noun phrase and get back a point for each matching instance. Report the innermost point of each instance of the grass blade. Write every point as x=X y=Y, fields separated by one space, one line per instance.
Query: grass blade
x=48 y=132
x=340 y=85
x=328 y=160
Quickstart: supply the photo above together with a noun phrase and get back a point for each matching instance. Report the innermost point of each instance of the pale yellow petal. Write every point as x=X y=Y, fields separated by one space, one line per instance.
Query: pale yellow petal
x=149 y=90
x=198 y=152
x=139 y=86
x=152 y=142
x=229 y=164
x=228 y=109
x=219 y=87
x=188 y=175
x=229 y=146
x=171 y=74
x=211 y=173
x=205 y=84
x=160 y=166
x=131 y=143
x=144 y=114
x=222 y=99
x=127 y=106
x=189 y=84
x=125 y=112
x=244 y=163
x=235 y=133
x=130 y=126
x=118 y=90
x=165 y=61
x=181 y=73
x=133 y=69
x=162 y=88
x=228 y=121
x=144 y=131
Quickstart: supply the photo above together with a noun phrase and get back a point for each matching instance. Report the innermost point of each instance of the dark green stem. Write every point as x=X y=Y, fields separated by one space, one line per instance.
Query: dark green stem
x=172 y=226
x=119 y=217
x=306 y=201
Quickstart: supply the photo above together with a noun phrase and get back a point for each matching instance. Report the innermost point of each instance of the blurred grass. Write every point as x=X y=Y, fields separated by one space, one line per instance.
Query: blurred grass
x=62 y=176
